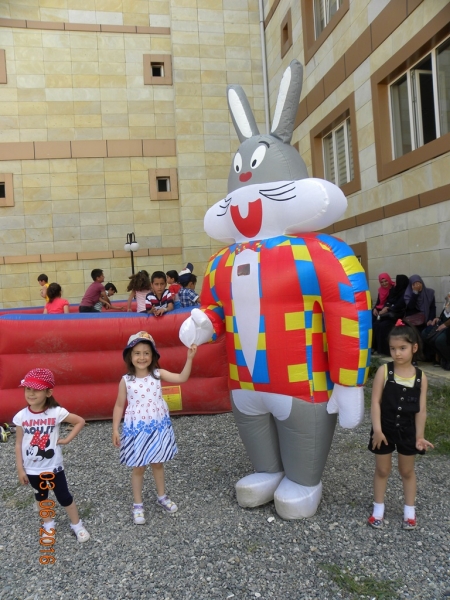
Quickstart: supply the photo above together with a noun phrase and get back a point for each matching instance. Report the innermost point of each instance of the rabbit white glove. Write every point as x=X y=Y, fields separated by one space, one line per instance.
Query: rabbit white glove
x=348 y=402
x=197 y=329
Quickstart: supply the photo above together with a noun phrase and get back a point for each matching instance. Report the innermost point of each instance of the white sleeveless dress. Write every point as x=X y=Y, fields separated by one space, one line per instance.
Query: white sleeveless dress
x=147 y=433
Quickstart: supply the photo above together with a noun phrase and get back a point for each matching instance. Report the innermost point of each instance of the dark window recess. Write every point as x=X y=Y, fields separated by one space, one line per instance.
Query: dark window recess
x=2 y=190
x=163 y=184
x=157 y=69
x=285 y=35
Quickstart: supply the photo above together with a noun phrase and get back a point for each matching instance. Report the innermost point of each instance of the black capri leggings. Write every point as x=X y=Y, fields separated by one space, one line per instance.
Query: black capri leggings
x=61 y=490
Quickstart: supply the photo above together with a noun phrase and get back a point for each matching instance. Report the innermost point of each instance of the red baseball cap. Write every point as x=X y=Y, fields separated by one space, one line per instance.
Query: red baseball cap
x=38 y=379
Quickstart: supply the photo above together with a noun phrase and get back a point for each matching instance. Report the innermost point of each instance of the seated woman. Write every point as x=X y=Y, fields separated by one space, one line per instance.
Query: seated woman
x=437 y=347
x=394 y=308
x=386 y=284
x=420 y=303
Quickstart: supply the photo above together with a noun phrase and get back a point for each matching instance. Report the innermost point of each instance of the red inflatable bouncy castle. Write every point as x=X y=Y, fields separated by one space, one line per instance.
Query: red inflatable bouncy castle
x=84 y=351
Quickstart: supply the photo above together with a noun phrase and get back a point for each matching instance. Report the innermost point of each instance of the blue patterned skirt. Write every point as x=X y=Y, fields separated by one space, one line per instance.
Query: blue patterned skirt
x=144 y=443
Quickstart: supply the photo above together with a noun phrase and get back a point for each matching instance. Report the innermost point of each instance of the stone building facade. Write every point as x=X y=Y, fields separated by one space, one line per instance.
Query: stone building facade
x=113 y=119
x=376 y=79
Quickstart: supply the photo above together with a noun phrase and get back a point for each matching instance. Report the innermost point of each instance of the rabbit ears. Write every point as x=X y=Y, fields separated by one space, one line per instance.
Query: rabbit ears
x=285 y=111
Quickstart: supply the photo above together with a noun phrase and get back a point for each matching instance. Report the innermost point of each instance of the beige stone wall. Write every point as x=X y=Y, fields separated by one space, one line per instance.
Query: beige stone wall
x=67 y=85
x=72 y=85
x=417 y=242
x=215 y=43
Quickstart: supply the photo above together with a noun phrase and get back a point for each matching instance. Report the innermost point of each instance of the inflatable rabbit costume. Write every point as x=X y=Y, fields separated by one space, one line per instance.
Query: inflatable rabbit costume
x=294 y=305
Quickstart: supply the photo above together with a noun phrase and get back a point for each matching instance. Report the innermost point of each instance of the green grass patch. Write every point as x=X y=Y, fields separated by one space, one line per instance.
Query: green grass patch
x=437 y=429
x=85 y=509
x=11 y=501
x=373 y=368
x=361 y=586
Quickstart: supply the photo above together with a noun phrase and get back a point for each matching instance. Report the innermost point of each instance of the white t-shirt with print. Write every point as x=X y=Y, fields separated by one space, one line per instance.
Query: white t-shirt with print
x=40 y=451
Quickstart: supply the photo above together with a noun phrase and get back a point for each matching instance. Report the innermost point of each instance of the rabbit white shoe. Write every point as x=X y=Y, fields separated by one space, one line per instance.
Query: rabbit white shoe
x=257 y=489
x=295 y=501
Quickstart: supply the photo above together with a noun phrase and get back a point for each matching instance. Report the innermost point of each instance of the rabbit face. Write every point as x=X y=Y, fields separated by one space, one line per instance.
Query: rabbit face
x=269 y=192
x=265 y=210
x=264 y=158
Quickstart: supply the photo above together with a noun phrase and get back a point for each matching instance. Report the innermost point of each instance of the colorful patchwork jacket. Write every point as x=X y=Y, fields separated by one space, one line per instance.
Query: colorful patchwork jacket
x=314 y=315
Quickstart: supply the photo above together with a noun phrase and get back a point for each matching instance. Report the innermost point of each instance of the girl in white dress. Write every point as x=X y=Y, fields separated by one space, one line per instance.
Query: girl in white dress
x=147 y=433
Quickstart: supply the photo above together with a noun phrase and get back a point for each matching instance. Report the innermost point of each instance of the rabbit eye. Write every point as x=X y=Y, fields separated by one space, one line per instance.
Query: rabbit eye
x=257 y=157
x=238 y=163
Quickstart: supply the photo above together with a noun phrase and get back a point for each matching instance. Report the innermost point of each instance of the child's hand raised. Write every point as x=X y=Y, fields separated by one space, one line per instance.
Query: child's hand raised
x=192 y=351
x=423 y=444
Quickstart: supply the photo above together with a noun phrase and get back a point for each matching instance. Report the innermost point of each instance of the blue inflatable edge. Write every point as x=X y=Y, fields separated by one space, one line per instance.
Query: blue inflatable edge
x=76 y=316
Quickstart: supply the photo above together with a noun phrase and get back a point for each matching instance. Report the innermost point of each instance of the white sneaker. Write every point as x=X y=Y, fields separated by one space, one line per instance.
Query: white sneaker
x=138 y=516
x=167 y=504
x=82 y=534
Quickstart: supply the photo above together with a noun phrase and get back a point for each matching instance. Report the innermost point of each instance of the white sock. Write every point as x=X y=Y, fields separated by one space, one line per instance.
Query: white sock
x=409 y=512
x=162 y=497
x=76 y=528
x=378 y=510
x=49 y=525
x=138 y=506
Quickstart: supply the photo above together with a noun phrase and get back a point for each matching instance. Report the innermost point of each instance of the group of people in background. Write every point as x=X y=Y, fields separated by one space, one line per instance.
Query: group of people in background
x=410 y=299
x=162 y=292
x=156 y=294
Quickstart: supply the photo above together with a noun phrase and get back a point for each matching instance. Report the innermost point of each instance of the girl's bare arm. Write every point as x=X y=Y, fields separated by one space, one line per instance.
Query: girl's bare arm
x=130 y=300
x=119 y=407
x=184 y=375
x=19 y=460
x=375 y=410
x=77 y=422
x=421 y=417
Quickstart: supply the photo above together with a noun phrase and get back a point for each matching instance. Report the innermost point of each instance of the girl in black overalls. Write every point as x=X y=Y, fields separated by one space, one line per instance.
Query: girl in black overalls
x=398 y=421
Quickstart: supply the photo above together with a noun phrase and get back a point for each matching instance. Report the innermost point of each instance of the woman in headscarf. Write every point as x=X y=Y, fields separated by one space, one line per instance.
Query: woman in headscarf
x=394 y=309
x=419 y=301
x=437 y=347
x=386 y=284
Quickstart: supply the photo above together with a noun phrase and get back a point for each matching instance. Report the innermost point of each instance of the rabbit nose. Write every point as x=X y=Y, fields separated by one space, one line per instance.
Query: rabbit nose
x=245 y=176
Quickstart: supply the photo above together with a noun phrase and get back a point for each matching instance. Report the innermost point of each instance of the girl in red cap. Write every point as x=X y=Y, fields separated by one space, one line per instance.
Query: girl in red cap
x=38 y=446
x=147 y=433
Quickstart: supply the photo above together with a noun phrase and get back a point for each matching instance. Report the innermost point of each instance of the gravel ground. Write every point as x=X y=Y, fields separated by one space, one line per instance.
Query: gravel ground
x=211 y=548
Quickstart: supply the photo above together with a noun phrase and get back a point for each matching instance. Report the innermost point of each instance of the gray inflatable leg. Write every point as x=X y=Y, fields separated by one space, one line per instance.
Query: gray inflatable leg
x=305 y=441
x=260 y=438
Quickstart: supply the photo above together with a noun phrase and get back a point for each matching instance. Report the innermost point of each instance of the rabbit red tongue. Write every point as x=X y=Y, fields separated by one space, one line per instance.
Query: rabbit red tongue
x=250 y=225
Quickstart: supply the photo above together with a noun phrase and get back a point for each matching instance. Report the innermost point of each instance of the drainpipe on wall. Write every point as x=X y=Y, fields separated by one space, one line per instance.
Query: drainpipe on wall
x=264 y=65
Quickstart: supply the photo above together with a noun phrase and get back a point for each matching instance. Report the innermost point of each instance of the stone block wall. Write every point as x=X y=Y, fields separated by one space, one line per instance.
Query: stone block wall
x=415 y=240
x=81 y=133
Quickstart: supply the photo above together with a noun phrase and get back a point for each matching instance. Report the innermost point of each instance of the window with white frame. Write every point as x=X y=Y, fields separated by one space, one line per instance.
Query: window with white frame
x=420 y=102
x=323 y=12
x=337 y=154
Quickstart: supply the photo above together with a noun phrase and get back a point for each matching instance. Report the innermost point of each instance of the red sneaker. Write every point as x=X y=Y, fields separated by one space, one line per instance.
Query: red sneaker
x=375 y=523
x=409 y=523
